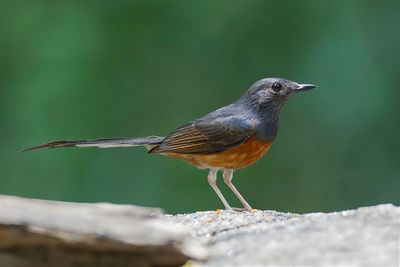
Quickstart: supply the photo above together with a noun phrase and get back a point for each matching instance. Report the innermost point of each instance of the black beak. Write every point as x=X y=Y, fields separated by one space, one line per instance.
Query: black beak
x=304 y=87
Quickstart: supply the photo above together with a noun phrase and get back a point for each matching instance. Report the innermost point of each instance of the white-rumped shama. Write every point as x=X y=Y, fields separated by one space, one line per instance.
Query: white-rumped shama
x=230 y=138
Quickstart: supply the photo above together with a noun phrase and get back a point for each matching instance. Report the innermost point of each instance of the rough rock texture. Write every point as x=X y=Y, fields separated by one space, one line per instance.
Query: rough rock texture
x=364 y=237
x=50 y=233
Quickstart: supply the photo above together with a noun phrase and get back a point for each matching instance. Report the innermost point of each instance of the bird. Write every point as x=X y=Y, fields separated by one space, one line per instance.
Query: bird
x=228 y=139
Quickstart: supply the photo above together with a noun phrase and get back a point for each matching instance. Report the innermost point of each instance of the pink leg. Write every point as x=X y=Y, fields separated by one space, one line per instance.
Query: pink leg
x=228 y=175
x=212 y=180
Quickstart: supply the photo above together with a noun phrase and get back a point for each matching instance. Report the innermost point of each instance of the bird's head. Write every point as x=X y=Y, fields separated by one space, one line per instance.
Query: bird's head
x=273 y=92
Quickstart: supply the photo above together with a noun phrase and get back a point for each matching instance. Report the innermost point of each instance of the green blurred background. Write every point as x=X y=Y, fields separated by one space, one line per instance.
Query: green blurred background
x=93 y=69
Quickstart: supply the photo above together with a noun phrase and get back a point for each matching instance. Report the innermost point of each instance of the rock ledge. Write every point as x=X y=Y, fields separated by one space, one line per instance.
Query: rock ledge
x=51 y=233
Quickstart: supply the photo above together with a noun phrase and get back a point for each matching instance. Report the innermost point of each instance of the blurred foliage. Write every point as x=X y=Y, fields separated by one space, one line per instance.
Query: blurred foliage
x=91 y=69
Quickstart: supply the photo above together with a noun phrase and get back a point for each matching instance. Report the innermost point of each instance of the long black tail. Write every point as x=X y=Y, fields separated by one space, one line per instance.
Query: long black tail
x=149 y=141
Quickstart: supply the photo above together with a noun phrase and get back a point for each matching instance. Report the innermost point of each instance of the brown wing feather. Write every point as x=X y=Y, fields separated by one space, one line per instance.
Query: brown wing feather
x=205 y=137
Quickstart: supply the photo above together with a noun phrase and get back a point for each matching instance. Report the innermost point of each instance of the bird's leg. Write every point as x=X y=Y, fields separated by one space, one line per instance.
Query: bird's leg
x=228 y=175
x=212 y=180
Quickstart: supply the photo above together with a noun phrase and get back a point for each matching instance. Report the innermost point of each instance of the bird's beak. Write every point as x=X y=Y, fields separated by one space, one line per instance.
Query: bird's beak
x=304 y=87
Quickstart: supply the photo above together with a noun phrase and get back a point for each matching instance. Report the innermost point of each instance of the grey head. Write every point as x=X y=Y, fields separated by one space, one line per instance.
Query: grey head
x=265 y=99
x=273 y=92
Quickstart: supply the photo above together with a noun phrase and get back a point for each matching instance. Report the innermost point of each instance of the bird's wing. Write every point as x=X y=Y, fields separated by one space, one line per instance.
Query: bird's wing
x=205 y=136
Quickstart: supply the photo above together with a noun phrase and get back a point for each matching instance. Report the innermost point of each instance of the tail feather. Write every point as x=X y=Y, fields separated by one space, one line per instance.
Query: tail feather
x=150 y=142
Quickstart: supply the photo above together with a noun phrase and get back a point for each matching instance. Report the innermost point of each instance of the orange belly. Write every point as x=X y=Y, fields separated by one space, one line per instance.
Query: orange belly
x=234 y=158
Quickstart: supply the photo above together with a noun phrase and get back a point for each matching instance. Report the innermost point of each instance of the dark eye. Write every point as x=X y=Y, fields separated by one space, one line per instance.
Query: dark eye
x=276 y=87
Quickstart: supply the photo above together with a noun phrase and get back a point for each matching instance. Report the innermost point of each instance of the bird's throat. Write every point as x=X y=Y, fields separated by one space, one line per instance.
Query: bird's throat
x=268 y=129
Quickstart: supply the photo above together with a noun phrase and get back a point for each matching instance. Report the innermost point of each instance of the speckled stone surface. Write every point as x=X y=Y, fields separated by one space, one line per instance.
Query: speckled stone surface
x=63 y=234
x=367 y=236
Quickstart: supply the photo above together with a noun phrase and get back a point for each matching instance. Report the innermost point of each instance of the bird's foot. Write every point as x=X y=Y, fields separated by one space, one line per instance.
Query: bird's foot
x=243 y=209
x=234 y=209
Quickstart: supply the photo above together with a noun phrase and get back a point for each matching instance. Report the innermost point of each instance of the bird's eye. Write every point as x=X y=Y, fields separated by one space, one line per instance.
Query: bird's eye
x=276 y=87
